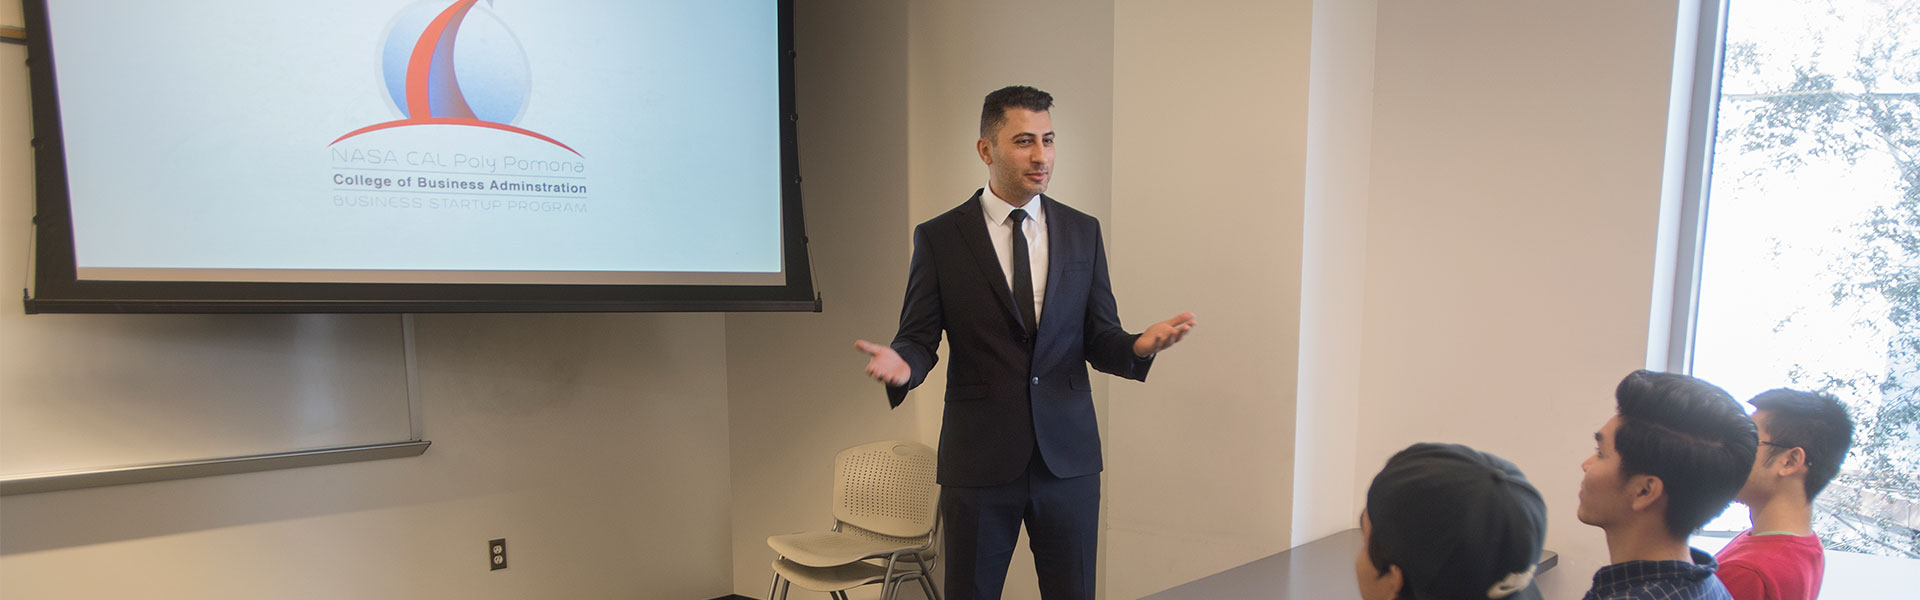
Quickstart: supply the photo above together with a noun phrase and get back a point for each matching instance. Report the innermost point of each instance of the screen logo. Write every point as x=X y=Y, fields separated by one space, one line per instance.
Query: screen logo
x=453 y=62
x=455 y=66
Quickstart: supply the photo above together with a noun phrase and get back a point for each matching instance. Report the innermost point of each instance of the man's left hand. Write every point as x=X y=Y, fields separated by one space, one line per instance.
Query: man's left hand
x=1163 y=335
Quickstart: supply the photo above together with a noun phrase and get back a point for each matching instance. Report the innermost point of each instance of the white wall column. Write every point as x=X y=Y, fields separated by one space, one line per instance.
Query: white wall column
x=1333 y=269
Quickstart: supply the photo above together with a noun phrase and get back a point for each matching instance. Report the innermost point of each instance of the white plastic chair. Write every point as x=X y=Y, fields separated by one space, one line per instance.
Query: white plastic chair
x=886 y=507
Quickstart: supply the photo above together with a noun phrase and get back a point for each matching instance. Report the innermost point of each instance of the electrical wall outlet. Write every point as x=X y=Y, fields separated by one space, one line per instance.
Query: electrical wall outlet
x=497 y=554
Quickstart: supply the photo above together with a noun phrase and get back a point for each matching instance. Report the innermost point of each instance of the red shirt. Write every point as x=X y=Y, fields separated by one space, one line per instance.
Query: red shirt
x=1772 y=567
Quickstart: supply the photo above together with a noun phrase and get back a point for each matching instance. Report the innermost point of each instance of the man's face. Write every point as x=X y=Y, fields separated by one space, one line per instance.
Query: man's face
x=1373 y=584
x=1603 y=491
x=1762 y=480
x=1019 y=156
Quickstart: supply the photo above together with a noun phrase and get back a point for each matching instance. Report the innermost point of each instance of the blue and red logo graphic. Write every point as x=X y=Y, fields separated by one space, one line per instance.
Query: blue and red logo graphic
x=455 y=66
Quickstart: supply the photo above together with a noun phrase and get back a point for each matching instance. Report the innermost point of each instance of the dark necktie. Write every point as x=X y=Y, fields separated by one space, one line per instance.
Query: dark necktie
x=1022 y=273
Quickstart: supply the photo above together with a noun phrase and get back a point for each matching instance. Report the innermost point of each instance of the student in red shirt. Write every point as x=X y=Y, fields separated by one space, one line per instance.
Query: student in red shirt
x=1803 y=437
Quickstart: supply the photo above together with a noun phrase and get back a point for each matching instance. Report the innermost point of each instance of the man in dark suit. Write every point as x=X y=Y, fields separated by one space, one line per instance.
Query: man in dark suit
x=1019 y=281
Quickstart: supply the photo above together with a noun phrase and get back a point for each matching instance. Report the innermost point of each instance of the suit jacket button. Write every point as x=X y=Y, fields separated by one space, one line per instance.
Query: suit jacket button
x=1036 y=381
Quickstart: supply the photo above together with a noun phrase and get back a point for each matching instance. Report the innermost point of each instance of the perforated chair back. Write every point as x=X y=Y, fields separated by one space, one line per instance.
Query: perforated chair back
x=887 y=488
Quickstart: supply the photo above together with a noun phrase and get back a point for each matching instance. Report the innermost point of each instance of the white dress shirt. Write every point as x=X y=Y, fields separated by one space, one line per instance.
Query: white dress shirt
x=1000 y=228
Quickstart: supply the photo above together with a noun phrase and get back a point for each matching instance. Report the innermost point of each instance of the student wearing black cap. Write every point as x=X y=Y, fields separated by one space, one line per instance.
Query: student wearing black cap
x=1447 y=522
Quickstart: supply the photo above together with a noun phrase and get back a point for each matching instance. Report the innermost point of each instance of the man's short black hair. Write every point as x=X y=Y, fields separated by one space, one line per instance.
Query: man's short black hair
x=993 y=113
x=1815 y=423
x=1689 y=433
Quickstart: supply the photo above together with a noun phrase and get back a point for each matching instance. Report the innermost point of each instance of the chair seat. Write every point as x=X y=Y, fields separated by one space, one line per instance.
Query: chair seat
x=822 y=549
x=829 y=579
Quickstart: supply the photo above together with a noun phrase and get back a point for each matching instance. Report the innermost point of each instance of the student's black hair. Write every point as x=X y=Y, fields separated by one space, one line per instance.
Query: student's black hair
x=1378 y=557
x=1815 y=423
x=1689 y=433
x=993 y=112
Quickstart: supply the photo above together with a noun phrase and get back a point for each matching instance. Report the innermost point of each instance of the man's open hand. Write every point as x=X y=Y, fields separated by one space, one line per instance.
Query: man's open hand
x=1159 y=336
x=884 y=364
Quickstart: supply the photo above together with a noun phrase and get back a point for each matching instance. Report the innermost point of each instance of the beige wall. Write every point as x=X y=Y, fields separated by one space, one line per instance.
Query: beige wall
x=596 y=444
x=1510 y=239
x=1210 y=127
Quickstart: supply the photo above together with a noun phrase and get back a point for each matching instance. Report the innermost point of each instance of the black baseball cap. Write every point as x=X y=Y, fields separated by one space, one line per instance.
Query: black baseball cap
x=1460 y=523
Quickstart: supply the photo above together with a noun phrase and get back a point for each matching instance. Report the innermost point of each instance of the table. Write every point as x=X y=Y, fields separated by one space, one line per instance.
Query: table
x=1320 y=569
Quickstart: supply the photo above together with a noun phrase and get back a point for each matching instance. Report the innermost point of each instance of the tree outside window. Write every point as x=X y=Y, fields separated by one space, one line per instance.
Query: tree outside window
x=1811 y=264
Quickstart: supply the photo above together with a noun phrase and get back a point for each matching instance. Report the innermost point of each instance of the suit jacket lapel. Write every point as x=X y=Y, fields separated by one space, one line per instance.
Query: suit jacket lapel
x=1060 y=249
x=1058 y=254
x=973 y=229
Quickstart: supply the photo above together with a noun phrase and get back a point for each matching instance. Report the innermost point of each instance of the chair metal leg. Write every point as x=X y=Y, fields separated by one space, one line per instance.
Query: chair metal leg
x=776 y=586
x=926 y=583
x=933 y=591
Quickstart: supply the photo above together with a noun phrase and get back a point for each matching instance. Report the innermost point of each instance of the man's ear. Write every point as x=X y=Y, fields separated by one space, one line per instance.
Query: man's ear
x=981 y=147
x=1646 y=491
x=1793 y=462
x=1393 y=581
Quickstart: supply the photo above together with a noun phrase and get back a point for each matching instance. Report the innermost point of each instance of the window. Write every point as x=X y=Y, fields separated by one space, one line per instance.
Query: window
x=1809 y=268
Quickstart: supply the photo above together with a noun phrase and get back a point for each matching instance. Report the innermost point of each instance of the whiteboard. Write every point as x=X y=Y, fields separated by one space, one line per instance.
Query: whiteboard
x=95 y=391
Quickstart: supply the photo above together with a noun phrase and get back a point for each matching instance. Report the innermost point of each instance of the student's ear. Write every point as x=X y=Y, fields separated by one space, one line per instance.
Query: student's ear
x=981 y=147
x=1392 y=581
x=1793 y=461
x=1646 y=490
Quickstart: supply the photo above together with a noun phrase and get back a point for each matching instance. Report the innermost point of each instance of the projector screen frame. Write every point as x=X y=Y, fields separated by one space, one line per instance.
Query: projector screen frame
x=54 y=286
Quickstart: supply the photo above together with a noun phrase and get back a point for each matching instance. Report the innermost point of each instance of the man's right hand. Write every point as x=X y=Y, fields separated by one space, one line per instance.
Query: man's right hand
x=884 y=364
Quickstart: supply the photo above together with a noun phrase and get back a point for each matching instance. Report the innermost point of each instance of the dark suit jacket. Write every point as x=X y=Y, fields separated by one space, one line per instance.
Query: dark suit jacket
x=1008 y=391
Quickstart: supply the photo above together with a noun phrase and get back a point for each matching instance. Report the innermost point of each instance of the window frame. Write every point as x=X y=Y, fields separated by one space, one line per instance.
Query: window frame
x=1694 y=112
